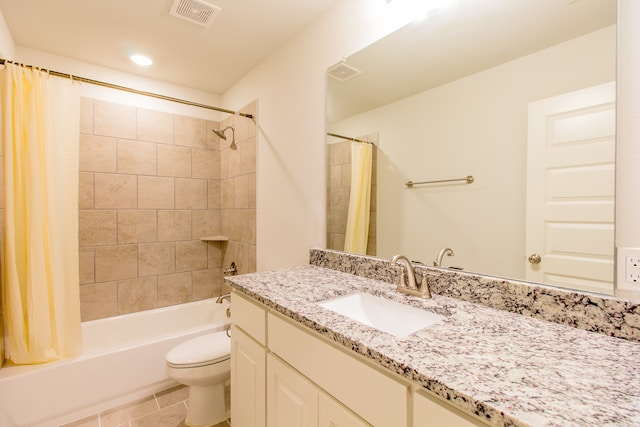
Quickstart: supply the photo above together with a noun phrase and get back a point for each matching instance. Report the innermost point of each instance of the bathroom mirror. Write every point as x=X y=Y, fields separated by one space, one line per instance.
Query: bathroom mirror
x=448 y=97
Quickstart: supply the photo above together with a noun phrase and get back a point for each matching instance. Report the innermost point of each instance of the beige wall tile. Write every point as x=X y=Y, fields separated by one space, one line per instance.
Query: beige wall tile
x=213 y=194
x=206 y=223
x=137 y=294
x=206 y=283
x=155 y=126
x=98 y=300
x=191 y=255
x=136 y=157
x=234 y=162
x=116 y=262
x=239 y=253
x=205 y=164
x=87 y=265
x=97 y=153
x=97 y=227
x=156 y=258
x=232 y=224
x=248 y=156
x=174 y=161
x=86 y=115
x=174 y=289
x=213 y=142
x=252 y=260
x=242 y=191
x=190 y=132
x=249 y=226
x=115 y=191
x=156 y=192
x=340 y=153
x=174 y=225
x=228 y=193
x=114 y=120
x=85 y=190
x=214 y=254
x=191 y=193
x=224 y=163
x=137 y=226
x=251 y=188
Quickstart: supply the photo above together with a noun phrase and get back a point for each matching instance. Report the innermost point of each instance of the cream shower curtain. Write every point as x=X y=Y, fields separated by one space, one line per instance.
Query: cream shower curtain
x=40 y=143
x=357 y=232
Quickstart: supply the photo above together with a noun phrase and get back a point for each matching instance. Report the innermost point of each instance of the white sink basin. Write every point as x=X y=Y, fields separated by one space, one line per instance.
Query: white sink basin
x=383 y=314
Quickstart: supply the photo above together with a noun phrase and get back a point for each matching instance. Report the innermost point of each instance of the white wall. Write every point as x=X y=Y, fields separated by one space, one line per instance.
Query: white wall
x=474 y=126
x=290 y=86
x=7 y=46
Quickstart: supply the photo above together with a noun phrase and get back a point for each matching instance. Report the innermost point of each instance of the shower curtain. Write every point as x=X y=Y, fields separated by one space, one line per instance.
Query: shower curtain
x=357 y=232
x=40 y=145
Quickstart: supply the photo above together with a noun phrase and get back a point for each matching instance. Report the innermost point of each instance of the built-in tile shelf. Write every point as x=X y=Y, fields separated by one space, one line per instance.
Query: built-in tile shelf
x=214 y=239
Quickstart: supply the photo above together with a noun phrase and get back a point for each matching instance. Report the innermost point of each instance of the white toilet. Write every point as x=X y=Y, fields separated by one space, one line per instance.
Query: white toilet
x=204 y=364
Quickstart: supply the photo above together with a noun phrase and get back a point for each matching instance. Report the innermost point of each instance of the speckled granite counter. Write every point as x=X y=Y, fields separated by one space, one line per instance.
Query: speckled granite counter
x=513 y=370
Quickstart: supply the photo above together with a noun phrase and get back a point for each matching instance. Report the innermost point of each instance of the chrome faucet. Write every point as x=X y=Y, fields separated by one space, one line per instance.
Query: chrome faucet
x=410 y=288
x=443 y=252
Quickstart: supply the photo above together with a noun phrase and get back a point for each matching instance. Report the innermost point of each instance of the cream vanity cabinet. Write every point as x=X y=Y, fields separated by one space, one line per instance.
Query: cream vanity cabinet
x=285 y=375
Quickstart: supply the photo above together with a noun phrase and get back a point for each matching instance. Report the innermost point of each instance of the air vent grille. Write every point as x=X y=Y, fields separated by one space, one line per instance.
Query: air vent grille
x=341 y=71
x=196 y=11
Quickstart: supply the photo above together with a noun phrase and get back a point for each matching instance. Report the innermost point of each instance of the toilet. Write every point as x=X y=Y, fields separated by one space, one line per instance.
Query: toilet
x=204 y=364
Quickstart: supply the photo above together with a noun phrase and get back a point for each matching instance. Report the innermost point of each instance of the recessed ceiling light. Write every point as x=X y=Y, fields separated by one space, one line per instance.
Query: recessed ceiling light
x=141 y=60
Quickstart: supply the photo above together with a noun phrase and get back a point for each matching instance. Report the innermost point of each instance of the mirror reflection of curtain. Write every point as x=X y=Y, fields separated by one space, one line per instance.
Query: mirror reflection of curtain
x=40 y=140
x=357 y=232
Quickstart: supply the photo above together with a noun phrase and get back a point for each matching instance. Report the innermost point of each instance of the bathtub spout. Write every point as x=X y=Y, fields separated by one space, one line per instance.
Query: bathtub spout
x=223 y=297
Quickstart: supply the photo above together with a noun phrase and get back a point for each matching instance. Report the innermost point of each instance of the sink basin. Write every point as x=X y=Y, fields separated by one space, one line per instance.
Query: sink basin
x=383 y=314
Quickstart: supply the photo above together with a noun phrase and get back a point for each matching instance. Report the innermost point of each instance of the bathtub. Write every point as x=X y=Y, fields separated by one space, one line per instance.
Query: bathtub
x=123 y=361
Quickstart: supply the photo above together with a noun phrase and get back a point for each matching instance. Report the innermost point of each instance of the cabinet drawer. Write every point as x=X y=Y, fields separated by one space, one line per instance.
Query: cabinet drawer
x=250 y=317
x=371 y=394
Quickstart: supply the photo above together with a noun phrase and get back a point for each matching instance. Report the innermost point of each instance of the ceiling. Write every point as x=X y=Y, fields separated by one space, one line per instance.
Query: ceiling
x=107 y=32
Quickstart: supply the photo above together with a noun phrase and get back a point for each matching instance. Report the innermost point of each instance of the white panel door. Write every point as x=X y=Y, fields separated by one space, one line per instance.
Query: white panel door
x=570 y=190
x=332 y=413
x=292 y=400
x=248 y=377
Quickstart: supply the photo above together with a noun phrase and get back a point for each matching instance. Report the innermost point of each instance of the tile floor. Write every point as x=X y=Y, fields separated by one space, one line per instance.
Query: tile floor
x=167 y=408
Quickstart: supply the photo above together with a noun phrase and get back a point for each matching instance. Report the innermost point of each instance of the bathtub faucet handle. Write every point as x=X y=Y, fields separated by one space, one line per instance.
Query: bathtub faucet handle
x=223 y=297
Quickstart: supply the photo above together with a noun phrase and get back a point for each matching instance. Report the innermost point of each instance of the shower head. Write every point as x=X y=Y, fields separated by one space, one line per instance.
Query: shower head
x=220 y=133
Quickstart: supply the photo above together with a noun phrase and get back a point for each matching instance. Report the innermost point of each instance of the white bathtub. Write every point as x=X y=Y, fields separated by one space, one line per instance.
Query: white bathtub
x=123 y=361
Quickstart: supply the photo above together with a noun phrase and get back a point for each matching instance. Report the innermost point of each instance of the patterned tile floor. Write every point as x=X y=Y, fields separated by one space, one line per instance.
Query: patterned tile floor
x=167 y=408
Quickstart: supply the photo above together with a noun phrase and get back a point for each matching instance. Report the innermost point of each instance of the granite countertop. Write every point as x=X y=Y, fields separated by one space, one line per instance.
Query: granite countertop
x=510 y=369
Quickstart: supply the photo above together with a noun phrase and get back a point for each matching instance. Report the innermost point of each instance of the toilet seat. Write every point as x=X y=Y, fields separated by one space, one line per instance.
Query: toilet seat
x=201 y=351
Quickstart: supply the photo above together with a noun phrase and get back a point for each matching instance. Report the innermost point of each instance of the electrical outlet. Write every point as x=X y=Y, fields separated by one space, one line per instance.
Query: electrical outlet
x=628 y=269
x=632 y=269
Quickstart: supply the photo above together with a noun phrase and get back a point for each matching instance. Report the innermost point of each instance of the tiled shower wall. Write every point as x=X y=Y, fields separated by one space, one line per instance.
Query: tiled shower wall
x=339 y=187
x=151 y=185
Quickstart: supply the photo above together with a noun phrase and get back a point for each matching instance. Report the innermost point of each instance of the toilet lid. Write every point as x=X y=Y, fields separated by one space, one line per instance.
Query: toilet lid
x=205 y=349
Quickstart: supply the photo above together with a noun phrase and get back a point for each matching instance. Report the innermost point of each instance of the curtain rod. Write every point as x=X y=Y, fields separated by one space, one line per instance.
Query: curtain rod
x=128 y=89
x=349 y=138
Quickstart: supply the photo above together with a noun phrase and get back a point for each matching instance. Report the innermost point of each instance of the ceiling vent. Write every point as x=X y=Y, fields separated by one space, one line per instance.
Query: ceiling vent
x=343 y=72
x=195 y=11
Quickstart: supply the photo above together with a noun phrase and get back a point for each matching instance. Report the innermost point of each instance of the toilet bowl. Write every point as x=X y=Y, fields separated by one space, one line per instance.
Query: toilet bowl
x=204 y=364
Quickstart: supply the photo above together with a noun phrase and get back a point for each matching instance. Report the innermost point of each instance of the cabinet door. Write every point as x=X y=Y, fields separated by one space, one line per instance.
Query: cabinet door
x=292 y=400
x=430 y=411
x=248 y=375
x=334 y=414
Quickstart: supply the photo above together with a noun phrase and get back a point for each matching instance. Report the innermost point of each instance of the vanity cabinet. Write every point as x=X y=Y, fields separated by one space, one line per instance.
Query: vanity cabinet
x=283 y=374
x=294 y=401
